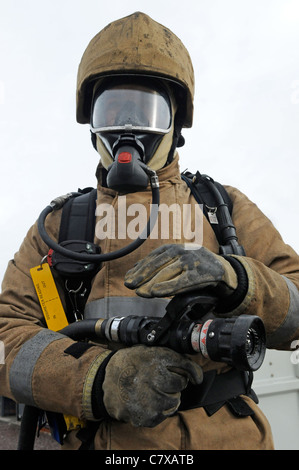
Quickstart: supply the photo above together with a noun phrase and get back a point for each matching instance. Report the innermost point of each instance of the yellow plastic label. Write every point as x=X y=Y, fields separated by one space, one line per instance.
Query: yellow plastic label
x=73 y=423
x=48 y=297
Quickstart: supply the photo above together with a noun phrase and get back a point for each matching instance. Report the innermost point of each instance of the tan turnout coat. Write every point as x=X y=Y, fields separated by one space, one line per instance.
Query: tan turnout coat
x=37 y=370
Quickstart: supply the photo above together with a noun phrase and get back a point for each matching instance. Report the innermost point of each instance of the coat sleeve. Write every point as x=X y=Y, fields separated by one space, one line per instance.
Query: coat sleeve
x=40 y=367
x=272 y=268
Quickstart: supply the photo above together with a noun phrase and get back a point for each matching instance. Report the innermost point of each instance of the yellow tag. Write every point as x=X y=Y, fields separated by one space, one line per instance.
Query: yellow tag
x=48 y=297
x=73 y=423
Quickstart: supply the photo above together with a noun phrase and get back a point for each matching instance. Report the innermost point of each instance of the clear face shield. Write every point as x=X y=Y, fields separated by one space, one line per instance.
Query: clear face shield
x=131 y=106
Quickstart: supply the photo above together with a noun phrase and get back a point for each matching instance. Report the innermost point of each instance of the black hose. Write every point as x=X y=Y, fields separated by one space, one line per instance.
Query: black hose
x=80 y=330
x=103 y=256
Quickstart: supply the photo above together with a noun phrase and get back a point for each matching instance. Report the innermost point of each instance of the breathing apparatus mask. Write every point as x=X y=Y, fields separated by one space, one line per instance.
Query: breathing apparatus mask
x=131 y=118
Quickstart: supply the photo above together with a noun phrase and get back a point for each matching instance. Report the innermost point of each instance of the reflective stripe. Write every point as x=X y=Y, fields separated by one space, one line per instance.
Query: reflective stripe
x=21 y=371
x=290 y=324
x=124 y=306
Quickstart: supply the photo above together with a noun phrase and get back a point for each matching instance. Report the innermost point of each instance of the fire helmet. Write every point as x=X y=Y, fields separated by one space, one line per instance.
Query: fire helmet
x=136 y=45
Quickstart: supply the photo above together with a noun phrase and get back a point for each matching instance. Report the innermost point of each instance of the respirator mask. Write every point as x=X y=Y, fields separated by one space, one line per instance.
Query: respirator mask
x=130 y=117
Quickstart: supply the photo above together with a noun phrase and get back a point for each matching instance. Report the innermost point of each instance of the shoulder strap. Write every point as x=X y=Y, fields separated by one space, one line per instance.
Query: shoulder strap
x=217 y=207
x=203 y=194
x=76 y=228
x=78 y=217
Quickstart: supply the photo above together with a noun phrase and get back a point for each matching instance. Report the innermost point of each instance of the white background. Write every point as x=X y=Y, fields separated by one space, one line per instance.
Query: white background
x=246 y=120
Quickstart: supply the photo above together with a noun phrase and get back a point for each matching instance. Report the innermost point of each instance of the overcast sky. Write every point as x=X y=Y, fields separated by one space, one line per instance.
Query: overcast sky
x=245 y=133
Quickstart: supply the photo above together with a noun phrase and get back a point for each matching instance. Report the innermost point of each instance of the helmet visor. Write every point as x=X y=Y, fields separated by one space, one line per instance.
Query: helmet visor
x=129 y=106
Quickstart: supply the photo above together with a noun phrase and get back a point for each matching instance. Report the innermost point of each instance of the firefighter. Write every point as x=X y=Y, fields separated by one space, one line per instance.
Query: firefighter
x=136 y=81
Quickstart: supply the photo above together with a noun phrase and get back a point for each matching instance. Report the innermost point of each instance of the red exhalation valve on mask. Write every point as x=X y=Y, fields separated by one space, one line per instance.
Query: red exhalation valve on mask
x=125 y=157
x=128 y=173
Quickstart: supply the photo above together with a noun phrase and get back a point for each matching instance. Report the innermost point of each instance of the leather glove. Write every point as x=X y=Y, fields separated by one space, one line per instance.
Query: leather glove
x=142 y=385
x=173 y=269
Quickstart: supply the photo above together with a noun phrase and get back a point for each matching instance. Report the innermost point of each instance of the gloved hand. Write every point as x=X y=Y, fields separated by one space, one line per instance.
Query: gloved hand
x=142 y=384
x=173 y=269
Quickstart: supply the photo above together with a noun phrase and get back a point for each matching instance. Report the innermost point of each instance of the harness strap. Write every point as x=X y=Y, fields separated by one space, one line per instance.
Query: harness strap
x=204 y=196
x=219 y=389
x=78 y=217
x=77 y=226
